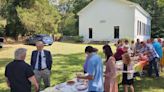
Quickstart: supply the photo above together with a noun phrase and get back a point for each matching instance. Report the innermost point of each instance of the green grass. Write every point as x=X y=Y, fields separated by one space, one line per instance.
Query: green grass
x=68 y=59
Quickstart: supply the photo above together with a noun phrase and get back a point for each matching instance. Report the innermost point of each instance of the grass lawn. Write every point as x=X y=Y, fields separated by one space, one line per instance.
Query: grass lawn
x=68 y=59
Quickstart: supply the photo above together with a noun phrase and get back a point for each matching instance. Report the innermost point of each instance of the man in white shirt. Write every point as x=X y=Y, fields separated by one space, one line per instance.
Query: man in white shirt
x=41 y=62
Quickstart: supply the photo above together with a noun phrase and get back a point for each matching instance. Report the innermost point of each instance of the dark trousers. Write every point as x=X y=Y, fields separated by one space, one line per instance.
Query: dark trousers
x=154 y=64
x=85 y=72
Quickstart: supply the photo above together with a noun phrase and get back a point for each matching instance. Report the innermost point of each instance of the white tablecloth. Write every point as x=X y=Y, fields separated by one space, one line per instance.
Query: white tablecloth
x=63 y=87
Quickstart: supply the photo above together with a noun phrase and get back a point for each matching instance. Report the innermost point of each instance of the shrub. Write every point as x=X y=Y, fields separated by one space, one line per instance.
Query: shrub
x=73 y=39
x=58 y=37
x=78 y=38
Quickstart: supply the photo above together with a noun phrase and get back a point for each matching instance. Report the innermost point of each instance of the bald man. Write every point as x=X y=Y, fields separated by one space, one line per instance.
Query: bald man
x=41 y=62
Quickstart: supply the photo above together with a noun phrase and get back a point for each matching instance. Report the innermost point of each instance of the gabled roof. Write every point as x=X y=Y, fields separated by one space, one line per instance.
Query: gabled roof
x=131 y=4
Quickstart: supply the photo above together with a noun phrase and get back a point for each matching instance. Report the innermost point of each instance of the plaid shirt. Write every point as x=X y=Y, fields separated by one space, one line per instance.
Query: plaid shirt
x=151 y=53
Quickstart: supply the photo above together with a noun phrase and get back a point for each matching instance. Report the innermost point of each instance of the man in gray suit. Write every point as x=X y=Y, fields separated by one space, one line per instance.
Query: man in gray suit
x=41 y=62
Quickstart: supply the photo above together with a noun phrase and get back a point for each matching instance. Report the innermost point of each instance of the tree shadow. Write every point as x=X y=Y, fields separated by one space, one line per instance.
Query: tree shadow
x=147 y=84
x=3 y=63
x=71 y=59
x=66 y=66
x=150 y=83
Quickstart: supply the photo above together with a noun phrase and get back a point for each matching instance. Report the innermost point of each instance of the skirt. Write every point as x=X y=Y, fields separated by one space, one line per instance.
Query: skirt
x=127 y=82
x=162 y=61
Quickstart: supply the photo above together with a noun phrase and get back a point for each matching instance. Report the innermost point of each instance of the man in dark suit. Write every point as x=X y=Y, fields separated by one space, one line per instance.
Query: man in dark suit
x=41 y=62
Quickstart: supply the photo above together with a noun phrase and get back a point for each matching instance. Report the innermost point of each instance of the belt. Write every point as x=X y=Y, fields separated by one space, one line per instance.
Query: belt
x=42 y=69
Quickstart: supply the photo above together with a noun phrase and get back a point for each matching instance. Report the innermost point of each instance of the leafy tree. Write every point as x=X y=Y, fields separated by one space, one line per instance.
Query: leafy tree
x=2 y=7
x=80 y=4
x=2 y=26
x=156 y=9
x=69 y=27
x=28 y=17
x=40 y=18
x=68 y=10
x=14 y=26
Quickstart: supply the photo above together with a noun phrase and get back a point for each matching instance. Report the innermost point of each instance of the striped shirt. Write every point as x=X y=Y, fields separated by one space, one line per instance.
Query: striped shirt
x=150 y=50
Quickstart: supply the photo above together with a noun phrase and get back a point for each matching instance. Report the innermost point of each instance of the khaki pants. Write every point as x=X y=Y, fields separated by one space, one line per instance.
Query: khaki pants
x=43 y=74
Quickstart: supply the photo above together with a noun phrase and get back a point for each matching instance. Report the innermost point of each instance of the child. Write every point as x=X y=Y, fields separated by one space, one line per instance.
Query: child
x=128 y=72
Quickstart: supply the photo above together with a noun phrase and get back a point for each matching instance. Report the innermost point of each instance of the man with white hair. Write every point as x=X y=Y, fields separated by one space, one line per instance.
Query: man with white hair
x=41 y=61
x=19 y=74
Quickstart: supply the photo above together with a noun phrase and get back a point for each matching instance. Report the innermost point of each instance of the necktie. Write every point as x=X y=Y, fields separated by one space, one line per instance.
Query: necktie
x=40 y=61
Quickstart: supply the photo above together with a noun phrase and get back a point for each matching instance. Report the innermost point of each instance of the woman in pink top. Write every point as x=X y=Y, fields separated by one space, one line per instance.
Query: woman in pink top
x=110 y=84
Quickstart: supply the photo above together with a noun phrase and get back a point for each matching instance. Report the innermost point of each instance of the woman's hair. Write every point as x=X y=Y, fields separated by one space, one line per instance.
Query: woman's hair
x=95 y=50
x=108 y=51
x=119 y=41
x=132 y=42
x=126 y=41
x=127 y=57
x=159 y=40
x=89 y=49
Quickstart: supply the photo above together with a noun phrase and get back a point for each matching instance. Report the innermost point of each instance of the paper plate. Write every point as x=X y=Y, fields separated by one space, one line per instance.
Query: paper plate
x=81 y=87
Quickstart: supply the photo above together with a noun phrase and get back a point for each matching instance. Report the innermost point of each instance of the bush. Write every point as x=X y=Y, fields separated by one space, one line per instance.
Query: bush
x=78 y=38
x=68 y=25
x=72 y=39
x=58 y=37
x=1 y=32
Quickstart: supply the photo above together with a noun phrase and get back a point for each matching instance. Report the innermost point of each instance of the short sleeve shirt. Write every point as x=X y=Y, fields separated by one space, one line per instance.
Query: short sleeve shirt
x=158 y=47
x=95 y=68
x=17 y=73
x=152 y=53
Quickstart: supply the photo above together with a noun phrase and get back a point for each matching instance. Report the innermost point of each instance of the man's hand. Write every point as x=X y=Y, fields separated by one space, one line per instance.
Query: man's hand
x=8 y=83
x=32 y=79
x=89 y=77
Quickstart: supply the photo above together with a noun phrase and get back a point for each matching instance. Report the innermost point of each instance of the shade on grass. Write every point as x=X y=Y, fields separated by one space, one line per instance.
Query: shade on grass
x=68 y=59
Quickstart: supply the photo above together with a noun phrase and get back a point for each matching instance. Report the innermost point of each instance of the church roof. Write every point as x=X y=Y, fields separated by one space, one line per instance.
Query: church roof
x=131 y=4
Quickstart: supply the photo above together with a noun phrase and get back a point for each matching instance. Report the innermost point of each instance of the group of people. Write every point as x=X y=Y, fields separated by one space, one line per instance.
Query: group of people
x=150 y=52
x=93 y=69
x=20 y=75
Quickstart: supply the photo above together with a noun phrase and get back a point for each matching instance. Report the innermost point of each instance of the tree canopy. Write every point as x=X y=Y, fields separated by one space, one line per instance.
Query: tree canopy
x=156 y=9
x=69 y=10
x=40 y=18
x=29 y=17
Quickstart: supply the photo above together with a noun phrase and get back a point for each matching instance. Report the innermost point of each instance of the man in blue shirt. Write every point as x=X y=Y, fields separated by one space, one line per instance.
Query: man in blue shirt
x=158 y=47
x=95 y=71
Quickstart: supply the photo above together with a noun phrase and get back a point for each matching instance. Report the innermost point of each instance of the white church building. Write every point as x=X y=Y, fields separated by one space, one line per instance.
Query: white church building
x=106 y=20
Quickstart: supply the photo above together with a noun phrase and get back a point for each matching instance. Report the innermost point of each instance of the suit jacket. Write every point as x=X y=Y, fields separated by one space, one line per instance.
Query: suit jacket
x=47 y=56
